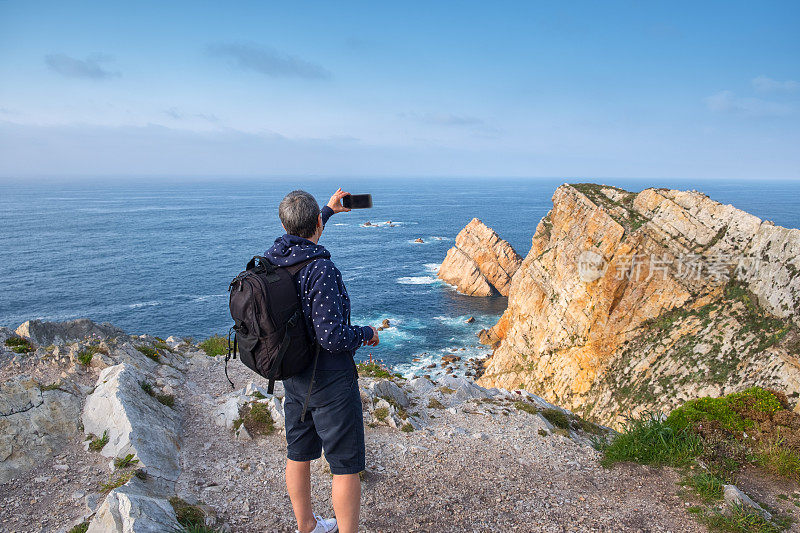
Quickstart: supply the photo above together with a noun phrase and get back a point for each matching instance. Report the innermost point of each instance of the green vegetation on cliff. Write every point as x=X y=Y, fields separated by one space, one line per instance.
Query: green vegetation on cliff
x=717 y=438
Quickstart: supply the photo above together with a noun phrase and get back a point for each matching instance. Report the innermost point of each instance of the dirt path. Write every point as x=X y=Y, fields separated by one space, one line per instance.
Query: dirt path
x=464 y=472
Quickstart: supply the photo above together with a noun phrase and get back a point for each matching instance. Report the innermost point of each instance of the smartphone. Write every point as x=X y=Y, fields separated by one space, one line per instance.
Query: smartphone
x=357 y=201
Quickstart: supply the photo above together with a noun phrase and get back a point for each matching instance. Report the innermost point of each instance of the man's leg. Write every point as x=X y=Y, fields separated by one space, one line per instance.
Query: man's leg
x=298 y=483
x=346 y=501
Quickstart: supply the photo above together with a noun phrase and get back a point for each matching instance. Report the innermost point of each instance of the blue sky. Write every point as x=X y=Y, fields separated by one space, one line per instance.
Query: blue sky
x=573 y=89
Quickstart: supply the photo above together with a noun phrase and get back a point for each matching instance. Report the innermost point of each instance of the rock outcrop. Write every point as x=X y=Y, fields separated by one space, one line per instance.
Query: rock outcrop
x=479 y=262
x=631 y=302
x=47 y=333
x=135 y=421
x=35 y=421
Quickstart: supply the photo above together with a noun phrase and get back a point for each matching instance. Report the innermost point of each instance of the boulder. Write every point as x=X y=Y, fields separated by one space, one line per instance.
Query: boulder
x=736 y=498
x=389 y=389
x=132 y=508
x=47 y=333
x=33 y=424
x=136 y=422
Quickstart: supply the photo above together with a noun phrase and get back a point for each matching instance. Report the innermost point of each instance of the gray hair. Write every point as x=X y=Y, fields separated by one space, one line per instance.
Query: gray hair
x=298 y=213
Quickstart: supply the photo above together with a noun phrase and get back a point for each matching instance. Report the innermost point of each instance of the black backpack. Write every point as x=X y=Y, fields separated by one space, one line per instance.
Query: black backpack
x=269 y=332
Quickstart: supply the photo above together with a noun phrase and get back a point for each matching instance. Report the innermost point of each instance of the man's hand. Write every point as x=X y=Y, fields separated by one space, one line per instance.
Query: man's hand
x=374 y=340
x=335 y=202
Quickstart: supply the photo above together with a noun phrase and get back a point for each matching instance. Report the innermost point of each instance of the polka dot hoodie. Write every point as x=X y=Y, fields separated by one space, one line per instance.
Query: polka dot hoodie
x=326 y=306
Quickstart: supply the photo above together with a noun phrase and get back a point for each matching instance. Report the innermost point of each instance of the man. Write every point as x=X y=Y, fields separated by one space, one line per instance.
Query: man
x=333 y=421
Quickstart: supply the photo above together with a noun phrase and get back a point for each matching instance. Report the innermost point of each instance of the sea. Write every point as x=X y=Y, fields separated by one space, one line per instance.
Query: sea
x=156 y=256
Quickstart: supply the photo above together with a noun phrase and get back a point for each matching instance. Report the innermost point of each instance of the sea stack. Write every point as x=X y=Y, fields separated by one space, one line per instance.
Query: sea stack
x=480 y=263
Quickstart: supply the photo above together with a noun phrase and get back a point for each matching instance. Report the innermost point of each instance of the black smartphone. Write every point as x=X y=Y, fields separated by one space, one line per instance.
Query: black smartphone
x=357 y=201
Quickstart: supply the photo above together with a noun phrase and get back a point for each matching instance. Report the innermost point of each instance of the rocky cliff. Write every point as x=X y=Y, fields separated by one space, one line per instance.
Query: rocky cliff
x=630 y=302
x=480 y=261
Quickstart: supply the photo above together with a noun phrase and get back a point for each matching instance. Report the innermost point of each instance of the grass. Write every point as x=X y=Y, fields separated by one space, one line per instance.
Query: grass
x=558 y=418
x=258 y=396
x=407 y=428
x=19 y=345
x=446 y=390
x=125 y=462
x=433 y=403
x=147 y=387
x=187 y=515
x=381 y=413
x=215 y=345
x=117 y=481
x=52 y=386
x=197 y=528
x=706 y=485
x=150 y=352
x=374 y=370
x=776 y=458
x=166 y=399
x=83 y=527
x=256 y=419
x=650 y=440
x=526 y=407
x=85 y=356
x=98 y=443
x=739 y=520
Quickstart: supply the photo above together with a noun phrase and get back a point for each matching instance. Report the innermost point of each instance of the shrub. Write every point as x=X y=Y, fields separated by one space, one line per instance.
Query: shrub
x=446 y=390
x=381 y=413
x=149 y=351
x=85 y=356
x=374 y=370
x=257 y=419
x=147 y=387
x=98 y=443
x=407 y=428
x=650 y=440
x=118 y=481
x=83 y=527
x=125 y=462
x=733 y=413
x=215 y=345
x=19 y=345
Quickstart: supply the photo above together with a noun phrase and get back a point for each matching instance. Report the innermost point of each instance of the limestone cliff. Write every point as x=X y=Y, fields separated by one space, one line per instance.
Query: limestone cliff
x=630 y=302
x=480 y=261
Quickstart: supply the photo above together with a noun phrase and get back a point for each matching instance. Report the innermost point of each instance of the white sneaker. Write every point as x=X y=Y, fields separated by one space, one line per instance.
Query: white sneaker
x=325 y=525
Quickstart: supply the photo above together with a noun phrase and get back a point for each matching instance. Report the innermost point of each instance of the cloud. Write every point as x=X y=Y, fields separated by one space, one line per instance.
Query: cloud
x=444 y=119
x=268 y=61
x=728 y=102
x=177 y=114
x=768 y=85
x=89 y=68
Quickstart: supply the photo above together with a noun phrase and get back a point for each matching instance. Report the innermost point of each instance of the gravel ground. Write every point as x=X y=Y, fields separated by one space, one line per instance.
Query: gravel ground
x=474 y=471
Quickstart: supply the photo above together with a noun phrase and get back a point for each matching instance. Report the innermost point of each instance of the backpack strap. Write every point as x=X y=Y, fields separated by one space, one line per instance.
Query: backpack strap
x=231 y=353
x=311 y=382
x=297 y=267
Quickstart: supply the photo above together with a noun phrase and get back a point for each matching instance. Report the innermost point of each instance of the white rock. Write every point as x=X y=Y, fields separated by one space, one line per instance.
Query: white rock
x=136 y=422
x=131 y=508
x=46 y=333
x=735 y=497
x=33 y=424
x=421 y=386
x=389 y=389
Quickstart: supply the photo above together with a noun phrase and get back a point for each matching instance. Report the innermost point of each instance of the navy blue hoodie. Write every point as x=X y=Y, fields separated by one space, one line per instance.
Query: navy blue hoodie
x=326 y=306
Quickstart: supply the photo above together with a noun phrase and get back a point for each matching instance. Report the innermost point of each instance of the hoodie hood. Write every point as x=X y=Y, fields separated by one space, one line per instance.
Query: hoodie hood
x=289 y=250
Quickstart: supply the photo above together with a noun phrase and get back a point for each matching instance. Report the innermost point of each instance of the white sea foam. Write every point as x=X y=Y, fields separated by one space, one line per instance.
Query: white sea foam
x=417 y=280
x=144 y=304
x=433 y=268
